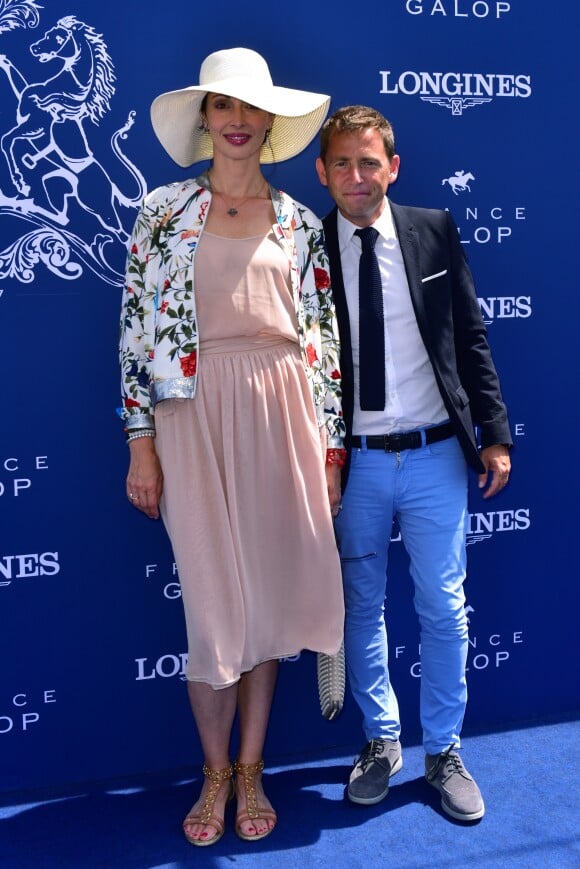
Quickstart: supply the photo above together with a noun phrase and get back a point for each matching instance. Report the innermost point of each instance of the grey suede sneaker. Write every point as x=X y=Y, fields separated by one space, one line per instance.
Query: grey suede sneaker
x=369 y=781
x=460 y=796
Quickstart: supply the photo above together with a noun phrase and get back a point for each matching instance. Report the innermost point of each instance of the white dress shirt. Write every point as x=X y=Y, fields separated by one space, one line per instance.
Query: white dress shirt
x=412 y=397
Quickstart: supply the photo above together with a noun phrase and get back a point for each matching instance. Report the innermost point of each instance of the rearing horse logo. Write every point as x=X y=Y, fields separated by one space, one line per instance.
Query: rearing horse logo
x=51 y=165
x=81 y=89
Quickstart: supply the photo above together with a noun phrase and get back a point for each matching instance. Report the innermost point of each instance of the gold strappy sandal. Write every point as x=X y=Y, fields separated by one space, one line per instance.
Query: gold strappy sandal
x=217 y=777
x=249 y=771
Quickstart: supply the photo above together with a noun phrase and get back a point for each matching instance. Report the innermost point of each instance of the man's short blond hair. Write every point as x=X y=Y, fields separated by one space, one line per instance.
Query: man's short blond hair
x=355 y=119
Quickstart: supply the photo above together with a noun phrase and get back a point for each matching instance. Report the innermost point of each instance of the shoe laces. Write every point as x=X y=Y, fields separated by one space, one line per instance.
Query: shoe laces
x=452 y=763
x=370 y=754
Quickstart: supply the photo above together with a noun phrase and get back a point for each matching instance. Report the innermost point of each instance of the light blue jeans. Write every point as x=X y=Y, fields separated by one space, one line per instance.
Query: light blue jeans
x=426 y=489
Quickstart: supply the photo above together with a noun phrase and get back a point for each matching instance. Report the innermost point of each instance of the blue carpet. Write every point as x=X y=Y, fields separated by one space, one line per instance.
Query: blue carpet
x=528 y=778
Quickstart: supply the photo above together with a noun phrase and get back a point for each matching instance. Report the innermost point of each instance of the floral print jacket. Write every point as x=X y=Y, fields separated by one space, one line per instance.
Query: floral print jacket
x=159 y=331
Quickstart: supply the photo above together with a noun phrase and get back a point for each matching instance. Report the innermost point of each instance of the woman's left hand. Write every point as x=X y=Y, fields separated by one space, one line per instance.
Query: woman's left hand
x=333 y=487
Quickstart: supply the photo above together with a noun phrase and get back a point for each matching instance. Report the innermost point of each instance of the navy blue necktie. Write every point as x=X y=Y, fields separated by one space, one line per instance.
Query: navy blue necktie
x=371 y=324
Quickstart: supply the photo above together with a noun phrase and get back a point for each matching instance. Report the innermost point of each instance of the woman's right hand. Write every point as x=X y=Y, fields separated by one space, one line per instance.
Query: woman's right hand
x=145 y=478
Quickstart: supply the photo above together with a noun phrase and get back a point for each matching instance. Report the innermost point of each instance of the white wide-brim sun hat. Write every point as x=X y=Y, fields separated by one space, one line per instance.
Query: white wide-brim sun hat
x=243 y=74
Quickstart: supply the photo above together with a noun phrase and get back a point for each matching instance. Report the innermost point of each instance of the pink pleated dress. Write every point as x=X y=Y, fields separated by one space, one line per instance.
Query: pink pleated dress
x=245 y=501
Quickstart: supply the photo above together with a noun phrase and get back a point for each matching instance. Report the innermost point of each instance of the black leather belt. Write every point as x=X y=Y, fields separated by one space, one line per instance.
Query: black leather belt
x=408 y=440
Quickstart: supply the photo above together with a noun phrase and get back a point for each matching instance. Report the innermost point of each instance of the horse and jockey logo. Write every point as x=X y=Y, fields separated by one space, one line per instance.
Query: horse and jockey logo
x=459 y=182
x=51 y=178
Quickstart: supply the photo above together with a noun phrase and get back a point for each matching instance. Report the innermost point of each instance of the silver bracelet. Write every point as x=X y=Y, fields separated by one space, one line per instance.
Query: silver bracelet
x=140 y=433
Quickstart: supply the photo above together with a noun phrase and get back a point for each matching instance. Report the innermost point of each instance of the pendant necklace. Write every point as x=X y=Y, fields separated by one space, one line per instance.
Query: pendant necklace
x=233 y=210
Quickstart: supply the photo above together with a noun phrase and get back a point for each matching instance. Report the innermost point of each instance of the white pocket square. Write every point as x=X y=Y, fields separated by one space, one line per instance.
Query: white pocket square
x=432 y=277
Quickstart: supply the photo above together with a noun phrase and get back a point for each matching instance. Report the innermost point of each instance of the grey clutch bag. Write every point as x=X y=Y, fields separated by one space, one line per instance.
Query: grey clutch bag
x=331 y=682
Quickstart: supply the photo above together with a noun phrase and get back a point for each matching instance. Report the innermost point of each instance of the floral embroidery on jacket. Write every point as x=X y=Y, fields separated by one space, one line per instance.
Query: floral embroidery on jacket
x=159 y=333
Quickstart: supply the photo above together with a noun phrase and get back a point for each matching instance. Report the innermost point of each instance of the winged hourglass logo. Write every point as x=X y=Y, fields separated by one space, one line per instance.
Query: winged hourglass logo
x=51 y=175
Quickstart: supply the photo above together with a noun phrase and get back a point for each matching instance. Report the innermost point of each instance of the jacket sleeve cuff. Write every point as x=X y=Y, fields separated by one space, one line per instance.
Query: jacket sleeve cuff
x=136 y=421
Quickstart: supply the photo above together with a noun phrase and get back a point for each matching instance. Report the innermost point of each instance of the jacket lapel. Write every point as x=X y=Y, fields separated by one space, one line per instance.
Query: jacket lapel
x=329 y=224
x=331 y=237
x=408 y=237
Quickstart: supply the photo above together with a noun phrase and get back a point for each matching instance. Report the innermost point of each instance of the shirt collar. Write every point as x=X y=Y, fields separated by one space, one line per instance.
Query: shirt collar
x=384 y=226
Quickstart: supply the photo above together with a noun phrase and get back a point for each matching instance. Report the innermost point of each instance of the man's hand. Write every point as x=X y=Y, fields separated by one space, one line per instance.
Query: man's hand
x=497 y=462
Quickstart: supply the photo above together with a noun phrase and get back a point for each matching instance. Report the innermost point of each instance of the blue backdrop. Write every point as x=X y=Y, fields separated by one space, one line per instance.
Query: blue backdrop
x=92 y=639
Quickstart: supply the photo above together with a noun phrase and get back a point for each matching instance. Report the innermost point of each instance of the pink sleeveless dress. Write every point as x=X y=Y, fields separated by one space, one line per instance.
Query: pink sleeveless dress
x=245 y=501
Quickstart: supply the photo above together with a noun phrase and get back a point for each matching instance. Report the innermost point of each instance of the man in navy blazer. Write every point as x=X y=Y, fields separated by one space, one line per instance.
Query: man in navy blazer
x=407 y=450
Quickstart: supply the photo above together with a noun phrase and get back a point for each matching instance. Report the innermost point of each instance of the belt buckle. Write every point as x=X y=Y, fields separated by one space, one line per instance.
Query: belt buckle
x=392 y=443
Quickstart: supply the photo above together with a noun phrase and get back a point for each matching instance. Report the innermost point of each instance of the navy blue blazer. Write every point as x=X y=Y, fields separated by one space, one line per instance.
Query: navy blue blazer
x=449 y=320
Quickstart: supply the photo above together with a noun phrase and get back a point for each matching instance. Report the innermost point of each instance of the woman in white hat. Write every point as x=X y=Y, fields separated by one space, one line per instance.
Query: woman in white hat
x=228 y=303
